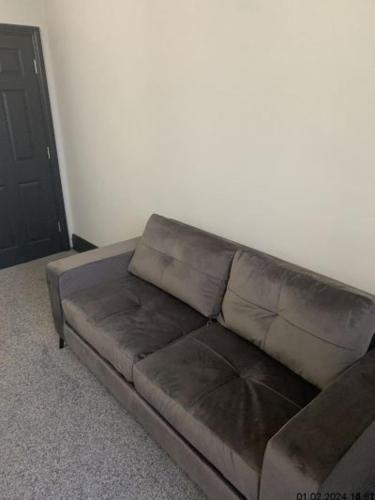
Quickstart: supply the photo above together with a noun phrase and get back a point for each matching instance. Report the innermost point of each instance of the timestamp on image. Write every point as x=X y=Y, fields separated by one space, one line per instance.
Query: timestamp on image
x=335 y=495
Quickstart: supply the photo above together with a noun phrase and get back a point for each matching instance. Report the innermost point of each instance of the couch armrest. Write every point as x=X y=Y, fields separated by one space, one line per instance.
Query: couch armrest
x=84 y=270
x=329 y=446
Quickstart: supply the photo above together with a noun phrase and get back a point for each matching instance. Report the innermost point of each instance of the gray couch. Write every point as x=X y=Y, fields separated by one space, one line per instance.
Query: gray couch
x=255 y=375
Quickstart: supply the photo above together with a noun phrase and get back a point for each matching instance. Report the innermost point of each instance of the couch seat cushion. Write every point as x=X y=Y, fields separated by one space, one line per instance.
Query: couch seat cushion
x=225 y=396
x=127 y=319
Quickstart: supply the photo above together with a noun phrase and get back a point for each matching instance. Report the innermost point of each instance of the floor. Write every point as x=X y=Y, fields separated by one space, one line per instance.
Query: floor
x=62 y=435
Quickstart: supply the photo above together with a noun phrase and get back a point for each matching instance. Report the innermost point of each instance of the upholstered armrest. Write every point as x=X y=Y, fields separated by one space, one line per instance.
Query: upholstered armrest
x=329 y=446
x=84 y=270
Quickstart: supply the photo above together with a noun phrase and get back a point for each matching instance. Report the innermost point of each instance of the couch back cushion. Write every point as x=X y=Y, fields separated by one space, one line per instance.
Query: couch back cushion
x=315 y=326
x=184 y=261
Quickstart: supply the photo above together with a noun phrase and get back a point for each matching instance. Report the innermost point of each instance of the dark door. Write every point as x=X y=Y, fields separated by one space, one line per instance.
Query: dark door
x=32 y=224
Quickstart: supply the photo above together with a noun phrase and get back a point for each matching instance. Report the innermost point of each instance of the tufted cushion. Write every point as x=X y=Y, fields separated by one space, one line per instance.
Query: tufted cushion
x=127 y=319
x=225 y=396
x=311 y=324
x=184 y=261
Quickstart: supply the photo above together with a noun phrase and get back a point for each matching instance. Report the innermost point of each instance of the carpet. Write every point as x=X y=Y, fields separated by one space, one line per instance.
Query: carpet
x=62 y=435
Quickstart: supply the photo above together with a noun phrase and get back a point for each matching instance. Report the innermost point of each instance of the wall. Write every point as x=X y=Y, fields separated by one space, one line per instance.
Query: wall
x=253 y=119
x=29 y=12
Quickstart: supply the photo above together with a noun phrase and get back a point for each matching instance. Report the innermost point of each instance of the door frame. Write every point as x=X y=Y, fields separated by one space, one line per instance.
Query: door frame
x=41 y=75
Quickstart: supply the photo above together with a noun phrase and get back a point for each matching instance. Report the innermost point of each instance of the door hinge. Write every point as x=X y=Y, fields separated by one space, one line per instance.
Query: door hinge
x=59 y=226
x=48 y=152
x=35 y=66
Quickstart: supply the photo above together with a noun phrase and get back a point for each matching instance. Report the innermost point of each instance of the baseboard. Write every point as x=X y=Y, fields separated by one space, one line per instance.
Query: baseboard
x=81 y=245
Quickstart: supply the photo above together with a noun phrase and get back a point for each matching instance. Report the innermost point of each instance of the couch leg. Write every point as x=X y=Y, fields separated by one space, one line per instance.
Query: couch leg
x=61 y=343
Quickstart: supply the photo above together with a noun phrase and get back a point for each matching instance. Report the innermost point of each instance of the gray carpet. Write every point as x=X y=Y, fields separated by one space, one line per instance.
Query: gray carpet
x=63 y=436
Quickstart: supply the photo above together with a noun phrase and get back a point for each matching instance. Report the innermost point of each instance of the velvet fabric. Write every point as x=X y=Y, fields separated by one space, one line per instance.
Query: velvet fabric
x=186 y=262
x=196 y=466
x=126 y=319
x=309 y=323
x=318 y=449
x=225 y=396
x=355 y=472
x=84 y=270
x=216 y=399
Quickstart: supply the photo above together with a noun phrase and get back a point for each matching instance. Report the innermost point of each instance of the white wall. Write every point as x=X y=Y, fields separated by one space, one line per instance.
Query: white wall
x=29 y=12
x=253 y=119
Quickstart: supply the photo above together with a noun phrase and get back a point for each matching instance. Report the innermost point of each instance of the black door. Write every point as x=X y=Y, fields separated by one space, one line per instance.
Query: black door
x=32 y=220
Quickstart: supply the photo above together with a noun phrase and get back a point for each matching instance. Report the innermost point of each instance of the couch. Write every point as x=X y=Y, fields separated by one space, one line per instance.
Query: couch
x=255 y=375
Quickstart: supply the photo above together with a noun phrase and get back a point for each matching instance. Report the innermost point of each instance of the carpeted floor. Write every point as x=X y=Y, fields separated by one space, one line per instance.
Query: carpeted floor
x=62 y=435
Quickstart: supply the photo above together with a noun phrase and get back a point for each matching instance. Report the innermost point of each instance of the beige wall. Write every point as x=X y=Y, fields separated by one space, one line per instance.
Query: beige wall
x=253 y=119
x=29 y=12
